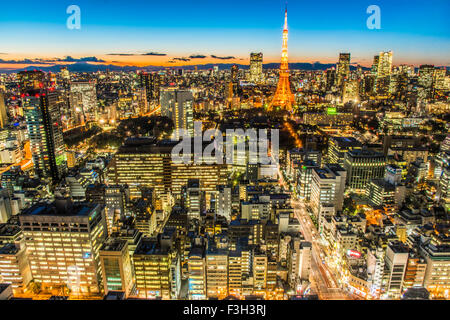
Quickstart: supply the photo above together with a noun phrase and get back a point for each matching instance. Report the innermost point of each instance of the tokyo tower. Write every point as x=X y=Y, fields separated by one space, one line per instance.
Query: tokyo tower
x=283 y=97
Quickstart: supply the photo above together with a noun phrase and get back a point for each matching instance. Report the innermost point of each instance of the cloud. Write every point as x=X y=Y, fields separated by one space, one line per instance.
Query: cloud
x=25 y=61
x=137 y=54
x=51 y=61
x=197 y=56
x=182 y=59
x=154 y=54
x=222 y=58
x=121 y=54
x=84 y=59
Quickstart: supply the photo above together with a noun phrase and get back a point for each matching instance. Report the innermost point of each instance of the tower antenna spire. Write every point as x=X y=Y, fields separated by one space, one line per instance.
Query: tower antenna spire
x=283 y=96
x=285 y=16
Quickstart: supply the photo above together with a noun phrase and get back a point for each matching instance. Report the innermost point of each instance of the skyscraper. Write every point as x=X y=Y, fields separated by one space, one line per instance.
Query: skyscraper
x=234 y=78
x=117 y=270
x=426 y=75
x=374 y=70
x=343 y=69
x=384 y=70
x=83 y=101
x=3 y=114
x=30 y=80
x=45 y=132
x=256 y=60
x=283 y=96
x=362 y=166
x=384 y=64
x=151 y=83
x=63 y=241
x=177 y=104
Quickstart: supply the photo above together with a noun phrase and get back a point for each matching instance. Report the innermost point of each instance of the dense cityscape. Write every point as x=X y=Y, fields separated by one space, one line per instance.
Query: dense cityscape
x=354 y=204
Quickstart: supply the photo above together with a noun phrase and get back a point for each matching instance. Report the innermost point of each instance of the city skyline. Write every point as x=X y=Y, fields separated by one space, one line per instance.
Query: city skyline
x=240 y=173
x=207 y=33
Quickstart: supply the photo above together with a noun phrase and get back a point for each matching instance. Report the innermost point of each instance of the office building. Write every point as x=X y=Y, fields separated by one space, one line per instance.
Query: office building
x=45 y=132
x=151 y=82
x=327 y=187
x=152 y=267
x=117 y=270
x=339 y=146
x=396 y=261
x=14 y=267
x=256 y=69
x=197 y=273
x=216 y=272
x=363 y=166
x=178 y=105
x=63 y=241
x=3 y=112
x=343 y=69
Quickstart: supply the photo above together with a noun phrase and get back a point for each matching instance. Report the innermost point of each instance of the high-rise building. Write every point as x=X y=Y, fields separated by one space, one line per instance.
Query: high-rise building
x=384 y=70
x=233 y=85
x=343 y=69
x=197 y=274
x=152 y=267
x=256 y=70
x=425 y=81
x=151 y=82
x=145 y=163
x=374 y=69
x=339 y=146
x=331 y=78
x=396 y=261
x=437 y=256
x=45 y=132
x=350 y=91
x=363 y=166
x=31 y=80
x=116 y=265
x=439 y=78
x=14 y=266
x=177 y=104
x=3 y=113
x=384 y=64
x=193 y=198
x=304 y=179
x=224 y=201
x=216 y=272
x=327 y=187
x=83 y=101
x=63 y=241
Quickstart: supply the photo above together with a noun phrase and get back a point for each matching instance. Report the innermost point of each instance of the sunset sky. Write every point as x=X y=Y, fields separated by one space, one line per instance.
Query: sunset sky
x=177 y=32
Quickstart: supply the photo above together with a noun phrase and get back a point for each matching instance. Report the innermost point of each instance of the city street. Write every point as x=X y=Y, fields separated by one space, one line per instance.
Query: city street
x=322 y=278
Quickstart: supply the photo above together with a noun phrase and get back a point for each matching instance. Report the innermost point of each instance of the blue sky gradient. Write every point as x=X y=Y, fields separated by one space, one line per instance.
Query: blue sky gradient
x=416 y=31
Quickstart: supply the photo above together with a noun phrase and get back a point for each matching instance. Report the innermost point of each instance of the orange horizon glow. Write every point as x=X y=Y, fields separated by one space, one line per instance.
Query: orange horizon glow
x=163 y=61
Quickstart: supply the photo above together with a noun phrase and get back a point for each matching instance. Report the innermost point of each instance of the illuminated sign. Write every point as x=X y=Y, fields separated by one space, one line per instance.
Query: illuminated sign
x=331 y=111
x=353 y=254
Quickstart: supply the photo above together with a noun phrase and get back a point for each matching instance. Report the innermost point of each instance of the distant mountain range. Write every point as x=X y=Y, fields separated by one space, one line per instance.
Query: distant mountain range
x=89 y=67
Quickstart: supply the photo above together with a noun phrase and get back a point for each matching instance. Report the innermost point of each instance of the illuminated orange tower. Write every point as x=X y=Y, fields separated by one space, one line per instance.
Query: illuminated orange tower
x=283 y=96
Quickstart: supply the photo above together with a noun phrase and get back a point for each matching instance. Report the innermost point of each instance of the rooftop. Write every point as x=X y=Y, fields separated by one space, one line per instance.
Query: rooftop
x=113 y=245
x=150 y=247
x=9 y=248
x=61 y=208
